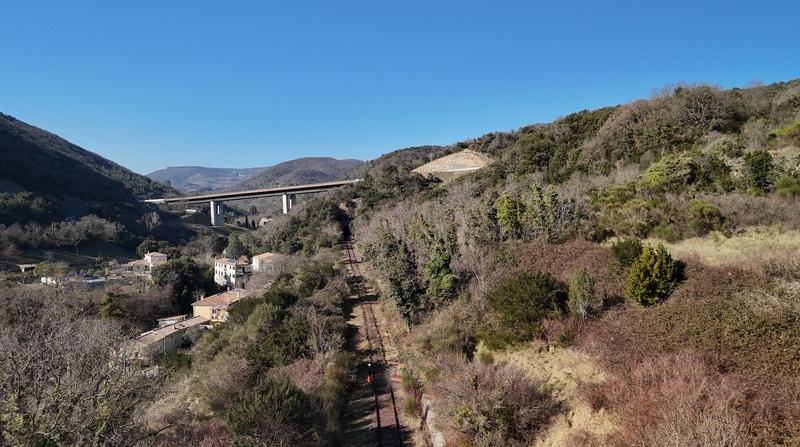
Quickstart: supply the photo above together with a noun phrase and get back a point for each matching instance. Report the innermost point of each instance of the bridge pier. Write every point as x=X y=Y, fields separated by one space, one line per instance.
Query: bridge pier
x=288 y=202
x=216 y=213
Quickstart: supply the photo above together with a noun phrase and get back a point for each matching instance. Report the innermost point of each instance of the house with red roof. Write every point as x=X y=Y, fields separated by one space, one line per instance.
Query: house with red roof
x=215 y=307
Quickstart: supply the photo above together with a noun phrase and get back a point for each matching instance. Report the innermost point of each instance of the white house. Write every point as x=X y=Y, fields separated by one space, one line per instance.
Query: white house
x=230 y=272
x=144 y=266
x=155 y=258
x=262 y=262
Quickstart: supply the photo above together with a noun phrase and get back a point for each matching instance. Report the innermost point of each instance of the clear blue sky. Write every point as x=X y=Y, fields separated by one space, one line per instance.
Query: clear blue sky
x=151 y=84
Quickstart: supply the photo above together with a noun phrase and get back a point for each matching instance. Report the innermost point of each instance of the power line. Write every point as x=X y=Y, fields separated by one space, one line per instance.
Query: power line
x=93 y=130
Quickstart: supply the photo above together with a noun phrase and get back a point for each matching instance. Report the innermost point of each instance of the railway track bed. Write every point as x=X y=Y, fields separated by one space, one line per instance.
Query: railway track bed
x=373 y=416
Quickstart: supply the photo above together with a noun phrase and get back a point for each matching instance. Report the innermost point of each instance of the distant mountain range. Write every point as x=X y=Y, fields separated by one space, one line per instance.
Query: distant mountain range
x=299 y=172
x=193 y=179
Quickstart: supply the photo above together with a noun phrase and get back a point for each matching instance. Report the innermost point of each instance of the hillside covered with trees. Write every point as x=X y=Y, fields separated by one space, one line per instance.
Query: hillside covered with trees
x=622 y=276
x=638 y=261
x=45 y=178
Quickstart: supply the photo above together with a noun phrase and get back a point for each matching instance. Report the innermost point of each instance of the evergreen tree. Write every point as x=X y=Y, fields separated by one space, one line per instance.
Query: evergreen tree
x=235 y=247
x=509 y=213
x=396 y=260
x=550 y=208
x=652 y=276
x=109 y=309
x=581 y=292
x=440 y=277
x=761 y=171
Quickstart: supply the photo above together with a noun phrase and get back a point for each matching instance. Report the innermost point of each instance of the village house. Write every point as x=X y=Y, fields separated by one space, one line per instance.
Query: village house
x=230 y=272
x=144 y=266
x=262 y=262
x=163 y=339
x=215 y=307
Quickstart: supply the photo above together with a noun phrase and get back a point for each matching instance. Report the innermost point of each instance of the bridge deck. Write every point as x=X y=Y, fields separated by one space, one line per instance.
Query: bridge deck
x=255 y=194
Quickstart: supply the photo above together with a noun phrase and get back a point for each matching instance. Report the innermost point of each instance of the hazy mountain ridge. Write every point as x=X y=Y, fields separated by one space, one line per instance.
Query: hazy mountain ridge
x=198 y=178
x=298 y=172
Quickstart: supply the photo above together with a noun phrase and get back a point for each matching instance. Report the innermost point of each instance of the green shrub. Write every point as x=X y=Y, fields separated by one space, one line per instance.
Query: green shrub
x=652 y=276
x=519 y=306
x=485 y=357
x=410 y=407
x=272 y=402
x=786 y=135
x=666 y=232
x=174 y=361
x=408 y=382
x=788 y=187
x=670 y=173
x=705 y=217
x=333 y=393
x=626 y=252
x=453 y=339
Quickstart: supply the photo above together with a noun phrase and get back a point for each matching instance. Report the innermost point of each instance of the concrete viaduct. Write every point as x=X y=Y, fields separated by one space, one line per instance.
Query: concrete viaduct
x=288 y=194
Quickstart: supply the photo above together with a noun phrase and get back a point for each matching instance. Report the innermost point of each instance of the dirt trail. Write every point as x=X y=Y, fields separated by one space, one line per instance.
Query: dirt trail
x=373 y=416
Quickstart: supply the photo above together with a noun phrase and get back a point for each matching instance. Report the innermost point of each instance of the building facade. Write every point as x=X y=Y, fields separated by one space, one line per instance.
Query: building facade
x=262 y=262
x=231 y=273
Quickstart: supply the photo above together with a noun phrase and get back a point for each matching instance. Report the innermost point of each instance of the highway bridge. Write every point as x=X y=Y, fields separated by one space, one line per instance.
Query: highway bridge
x=287 y=192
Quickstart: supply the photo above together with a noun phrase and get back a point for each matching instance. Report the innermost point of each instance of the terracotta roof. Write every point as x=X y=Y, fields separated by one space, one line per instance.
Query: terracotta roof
x=155 y=253
x=223 y=299
x=159 y=334
x=264 y=256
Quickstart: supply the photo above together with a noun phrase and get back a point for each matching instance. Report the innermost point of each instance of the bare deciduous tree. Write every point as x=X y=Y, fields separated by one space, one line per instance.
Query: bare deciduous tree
x=151 y=220
x=64 y=381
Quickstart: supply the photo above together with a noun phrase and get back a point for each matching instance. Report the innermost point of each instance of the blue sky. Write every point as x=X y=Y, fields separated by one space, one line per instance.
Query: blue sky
x=244 y=84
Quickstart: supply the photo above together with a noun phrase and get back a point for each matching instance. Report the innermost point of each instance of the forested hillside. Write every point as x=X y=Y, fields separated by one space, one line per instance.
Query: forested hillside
x=622 y=276
x=62 y=179
x=650 y=246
